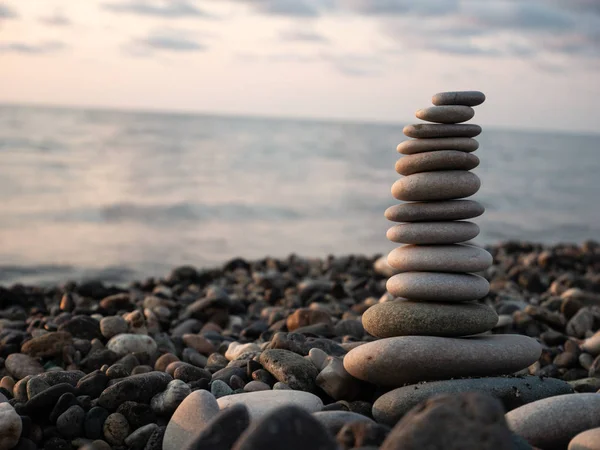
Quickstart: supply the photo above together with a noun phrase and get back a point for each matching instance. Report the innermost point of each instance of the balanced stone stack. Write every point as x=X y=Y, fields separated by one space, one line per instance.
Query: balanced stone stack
x=432 y=330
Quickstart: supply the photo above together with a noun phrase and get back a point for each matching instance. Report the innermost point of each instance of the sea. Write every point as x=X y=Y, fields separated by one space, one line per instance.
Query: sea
x=118 y=196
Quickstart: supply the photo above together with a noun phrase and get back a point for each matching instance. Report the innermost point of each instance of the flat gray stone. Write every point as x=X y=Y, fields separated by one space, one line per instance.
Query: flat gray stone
x=434 y=161
x=433 y=232
x=395 y=361
x=440 y=185
x=446 y=114
x=551 y=423
x=335 y=420
x=434 y=211
x=189 y=419
x=413 y=146
x=511 y=391
x=439 y=258
x=261 y=403
x=436 y=286
x=434 y=130
x=466 y=98
x=123 y=344
x=587 y=440
x=407 y=318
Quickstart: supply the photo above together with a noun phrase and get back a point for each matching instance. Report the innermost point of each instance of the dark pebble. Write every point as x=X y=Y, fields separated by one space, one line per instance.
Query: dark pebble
x=94 y=422
x=139 y=388
x=64 y=402
x=155 y=440
x=222 y=431
x=70 y=423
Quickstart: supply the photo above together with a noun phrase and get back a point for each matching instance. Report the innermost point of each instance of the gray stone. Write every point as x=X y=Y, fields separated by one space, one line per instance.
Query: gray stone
x=434 y=211
x=165 y=403
x=290 y=368
x=396 y=361
x=586 y=440
x=255 y=386
x=10 y=426
x=19 y=365
x=446 y=114
x=466 y=98
x=115 y=429
x=438 y=160
x=113 y=325
x=262 y=403
x=431 y=131
x=511 y=391
x=551 y=423
x=439 y=258
x=220 y=389
x=438 y=286
x=412 y=146
x=122 y=344
x=440 y=185
x=335 y=420
x=467 y=421
x=138 y=439
x=223 y=431
x=406 y=318
x=336 y=382
x=36 y=385
x=138 y=388
x=70 y=423
x=433 y=232
x=190 y=418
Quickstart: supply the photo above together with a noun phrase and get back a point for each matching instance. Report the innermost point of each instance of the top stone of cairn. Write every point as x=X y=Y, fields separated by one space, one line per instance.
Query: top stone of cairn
x=465 y=98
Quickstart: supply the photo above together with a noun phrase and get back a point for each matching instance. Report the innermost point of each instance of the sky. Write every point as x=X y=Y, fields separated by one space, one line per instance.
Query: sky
x=538 y=61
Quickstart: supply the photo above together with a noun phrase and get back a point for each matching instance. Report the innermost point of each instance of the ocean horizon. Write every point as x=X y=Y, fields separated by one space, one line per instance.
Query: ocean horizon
x=120 y=195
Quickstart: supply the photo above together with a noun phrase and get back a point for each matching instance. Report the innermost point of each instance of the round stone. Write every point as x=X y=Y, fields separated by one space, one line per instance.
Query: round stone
x=441 y=185
x=439 y=258
x=438 y=287
x=511 y=391
x=434 y=211
x=433 y=161
x=446 y=114
x=587 y=440
x=551 y=423
x=433 y=232
x=413 y=146
x=11 y=426
x=261 y=403
x=430 y=131
x=407 y=318
x=395 y=361
x=466 y=98
x=122 y=344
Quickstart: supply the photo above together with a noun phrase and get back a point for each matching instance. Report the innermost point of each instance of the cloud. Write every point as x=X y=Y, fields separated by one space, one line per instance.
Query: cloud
x=299 y=35
x=166 y=9
x=32 y=49
x=56 y=20
x=401 y=7
x=174 y=41
x=7 y=12
x=291 y=8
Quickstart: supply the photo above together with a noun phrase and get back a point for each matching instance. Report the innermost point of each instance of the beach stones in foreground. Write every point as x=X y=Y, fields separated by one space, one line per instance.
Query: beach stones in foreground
x=432 y=130
x=439 y=258
x=434 y=211
x=433 y=161
x=588 y=440
x=446 y=114
x=452 y=422
x=551 y=423
x=438 y=286
x=222 y=432
x=466 y=98
x=433 y=232
x=261 y=403
x=440 y=185
x=395 y=361
x=405 y=318
x=10 y=426
x=413 y=146
x=511 y=391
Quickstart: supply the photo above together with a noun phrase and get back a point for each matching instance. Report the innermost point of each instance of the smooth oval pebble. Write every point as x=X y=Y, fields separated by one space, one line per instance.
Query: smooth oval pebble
x=122 y=344
x=434 y=211
x=436 y=286
x=433 y=130
x=466 y=98
x=10 y=426
x=434 y=161
x=439 y=258
x=407 y=318
x=413 y=146
x=261 y=403
x=587 y=440
x=433 y=232
x=551 y=423
x=446 y=114
x=395 y=361
x=512 y=391
x=441 y=185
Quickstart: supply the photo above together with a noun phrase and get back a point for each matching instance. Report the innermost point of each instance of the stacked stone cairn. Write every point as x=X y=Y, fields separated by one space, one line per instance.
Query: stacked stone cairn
x=434 y=328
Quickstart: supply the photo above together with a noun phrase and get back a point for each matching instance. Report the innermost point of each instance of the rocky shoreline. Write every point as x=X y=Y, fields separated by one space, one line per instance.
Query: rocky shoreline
x=250 y=355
